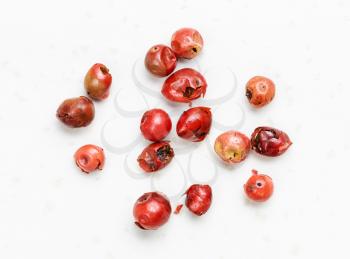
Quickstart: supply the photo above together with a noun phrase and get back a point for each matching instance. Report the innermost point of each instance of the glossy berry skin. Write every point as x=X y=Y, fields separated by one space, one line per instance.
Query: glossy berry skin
x=198 y=199
x=151 y=210
x=155 y=156
x=269 y=141
x=98 y=81
x=259 y=187
x=232 y=146
x=260 y=91
x=194 y=124
x=155 y=124
x=184 y=86
x=187 y=43
x=76 y=112
x=160 y=60
x=90 y=158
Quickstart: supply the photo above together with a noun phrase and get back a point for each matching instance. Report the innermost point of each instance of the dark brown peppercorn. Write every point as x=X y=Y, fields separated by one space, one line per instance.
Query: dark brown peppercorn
x=76 y=112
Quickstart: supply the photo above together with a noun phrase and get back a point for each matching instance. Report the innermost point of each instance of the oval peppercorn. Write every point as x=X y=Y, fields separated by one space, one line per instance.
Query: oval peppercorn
x=98 y=81
x=194 y=124
x=184 y=86
x=156 y=156
x=198 y=199
x=160 y=60
x=232 y=146
x=187 y=43
x=76 y=112
x=270 y=141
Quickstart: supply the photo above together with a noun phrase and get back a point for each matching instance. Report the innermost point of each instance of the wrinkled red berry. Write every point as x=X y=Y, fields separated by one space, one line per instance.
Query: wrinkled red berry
x=194 y=124
x=151 y=210
x=155 y=124
x=89 y=158
x=98 y=81
x=184 y=86
x=259 y=187
x=198 y=198
x=160 y=60
x=232 y=146
x=260 y=91
x=156 y=156
x=187 y=43
x=76 y=112
x=269 y=141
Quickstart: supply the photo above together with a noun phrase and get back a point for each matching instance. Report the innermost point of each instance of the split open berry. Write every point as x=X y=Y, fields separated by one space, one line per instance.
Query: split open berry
x=156 y=156
x=90 y=158
x=232 y=146
x=269 y=141
x=155 y=124
x=194 y=124
x=260 y=91
x=187 y=43
x=76 y=112
x=160 y=60
x=184 y=86
x=98 y=81
x=199 y=198
x=259 y=187
x=151 y=210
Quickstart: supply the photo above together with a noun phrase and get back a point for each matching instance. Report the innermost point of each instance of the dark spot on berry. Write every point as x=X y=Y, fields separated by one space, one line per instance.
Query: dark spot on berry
x=249 y=94
x=188 y=92
x=164 y=153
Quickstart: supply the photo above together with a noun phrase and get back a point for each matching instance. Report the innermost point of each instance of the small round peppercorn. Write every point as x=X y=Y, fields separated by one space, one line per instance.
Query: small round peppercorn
x=259 y=187
x=155 y=124
x=232 y=146
x=260 y=91
x=160 y=60
x=89 y=158
x=76 y=112
x=151 y=210
x=98 y=81
x=187 y=43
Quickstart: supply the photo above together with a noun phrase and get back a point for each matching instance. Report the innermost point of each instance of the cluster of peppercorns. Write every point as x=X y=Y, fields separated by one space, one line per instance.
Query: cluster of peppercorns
x=153 y=209
x=80 y=111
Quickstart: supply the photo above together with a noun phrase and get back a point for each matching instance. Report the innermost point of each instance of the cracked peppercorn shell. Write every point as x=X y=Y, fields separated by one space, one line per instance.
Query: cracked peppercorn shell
x=90 y=158
x=187 y=43
x=160 y=60
x=260 y=91
x=270 y=141
x=155 y=156
x=151 y=211
x=76 y=112
x=184 y=86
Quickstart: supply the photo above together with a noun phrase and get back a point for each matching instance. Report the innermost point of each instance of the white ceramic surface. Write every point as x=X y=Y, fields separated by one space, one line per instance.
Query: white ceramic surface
x=49 y=209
